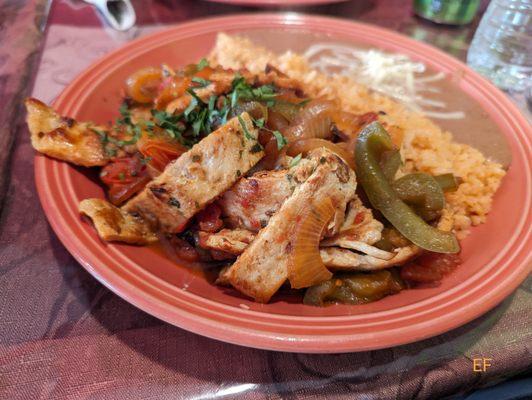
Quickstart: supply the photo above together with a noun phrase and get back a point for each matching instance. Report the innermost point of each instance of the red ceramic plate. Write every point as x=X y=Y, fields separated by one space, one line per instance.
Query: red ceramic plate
x=496 y=255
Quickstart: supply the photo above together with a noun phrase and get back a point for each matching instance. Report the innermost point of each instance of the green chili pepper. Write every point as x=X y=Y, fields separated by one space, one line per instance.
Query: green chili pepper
x=448 y=182
x=371 y=142
x=420 y=190
x=355 y=288
x=427 y=215
x=390 y=162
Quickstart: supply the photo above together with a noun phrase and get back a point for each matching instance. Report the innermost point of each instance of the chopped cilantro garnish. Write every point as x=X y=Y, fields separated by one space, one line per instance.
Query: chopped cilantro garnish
x=202 y=64
x=255 y=148
x=202 y=82
x=295 y=160
x=193 y=104
x=169 y=123
x=281 y=140
x=242 y=90
x=259 y=123
x=244 y=128
x=102 y=134
x=199 y=118
x=234 y=98
x=145 y=160
x=126 y=115
x=199 y=123
x=149 y=126
x=212 y=103
x=192 y=92
x=303 y=103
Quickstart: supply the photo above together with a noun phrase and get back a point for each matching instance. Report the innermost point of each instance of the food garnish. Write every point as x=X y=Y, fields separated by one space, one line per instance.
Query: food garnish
x=258 y=172
x=371 y=143
x=305 y=267
x=357 y=288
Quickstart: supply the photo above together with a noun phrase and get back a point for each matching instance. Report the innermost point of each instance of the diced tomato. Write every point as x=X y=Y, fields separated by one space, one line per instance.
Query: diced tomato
x=209 y=219
x=204 y=73
x=184 y=250
x=359 y=218
x=220 y=255
x=119 y=193
x=122 y=170
x=171 y=88
x=430 y=267
x=124 y=177
x=366 y=118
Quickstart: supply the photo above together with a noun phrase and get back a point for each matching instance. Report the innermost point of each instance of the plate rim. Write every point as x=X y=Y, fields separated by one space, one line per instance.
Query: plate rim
x=324 y=344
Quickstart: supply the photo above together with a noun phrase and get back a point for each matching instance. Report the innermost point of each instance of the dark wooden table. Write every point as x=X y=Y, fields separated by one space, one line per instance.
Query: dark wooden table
x=63 y=335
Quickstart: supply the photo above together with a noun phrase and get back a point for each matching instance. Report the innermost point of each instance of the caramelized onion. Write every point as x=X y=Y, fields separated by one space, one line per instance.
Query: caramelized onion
x=253 y=108
x=276 y=121
x=272 y=154
x=305 y=267
x=313 y=121
x=349 y=125
x=289 y=95
x=303 y=146
x=143 y=85
x=288 y=110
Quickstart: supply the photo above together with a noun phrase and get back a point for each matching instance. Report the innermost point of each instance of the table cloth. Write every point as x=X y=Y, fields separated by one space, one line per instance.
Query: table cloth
x=65 y=336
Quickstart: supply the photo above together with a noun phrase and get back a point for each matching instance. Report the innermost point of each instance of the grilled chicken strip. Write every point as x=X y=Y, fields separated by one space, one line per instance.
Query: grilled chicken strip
x=349 y=250
x=251 y=202
x=63 y=138
x=113 y=224
x=263 y=267
x=232 y=241
x=340 y=259
x=200 y=175
x=359 y=231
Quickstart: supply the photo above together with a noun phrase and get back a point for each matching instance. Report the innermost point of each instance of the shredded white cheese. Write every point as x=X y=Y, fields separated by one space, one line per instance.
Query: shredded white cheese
x=393 y=75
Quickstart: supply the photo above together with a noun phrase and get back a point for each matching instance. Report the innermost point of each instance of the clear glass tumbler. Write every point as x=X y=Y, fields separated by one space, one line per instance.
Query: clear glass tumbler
x=501 y=49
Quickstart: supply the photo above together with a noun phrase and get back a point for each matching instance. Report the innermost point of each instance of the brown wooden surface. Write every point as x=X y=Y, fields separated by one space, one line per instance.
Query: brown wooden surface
x=64 y=336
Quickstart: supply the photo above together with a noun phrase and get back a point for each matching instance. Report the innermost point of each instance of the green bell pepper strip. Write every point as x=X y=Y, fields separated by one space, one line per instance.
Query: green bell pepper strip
x=448 y=182
x=390 y=162
x=371 y=142
x=354 y=288
x=420 y=190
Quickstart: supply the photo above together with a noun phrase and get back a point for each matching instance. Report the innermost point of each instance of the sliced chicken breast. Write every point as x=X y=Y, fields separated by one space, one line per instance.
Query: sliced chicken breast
x=232 y=241
x=263 y=267
x=340 y=259
x=252 y=201
x=200 y=175
x=113 y=224
x=64 y=138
